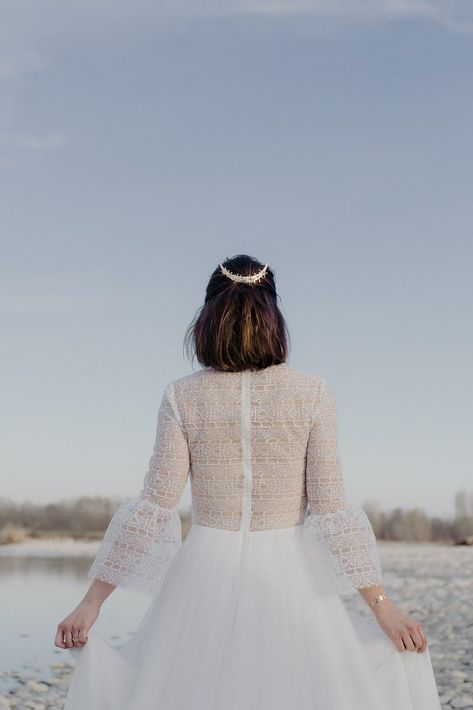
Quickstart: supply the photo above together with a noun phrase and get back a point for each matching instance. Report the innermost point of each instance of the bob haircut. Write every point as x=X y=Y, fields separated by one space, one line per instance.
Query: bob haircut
x=239 y=326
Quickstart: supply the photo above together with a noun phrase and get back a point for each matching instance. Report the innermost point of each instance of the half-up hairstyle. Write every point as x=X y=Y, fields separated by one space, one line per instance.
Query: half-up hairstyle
x=240 y=325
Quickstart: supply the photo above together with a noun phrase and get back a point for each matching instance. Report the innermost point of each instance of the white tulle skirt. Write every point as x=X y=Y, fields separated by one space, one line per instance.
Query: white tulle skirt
x=250 y=621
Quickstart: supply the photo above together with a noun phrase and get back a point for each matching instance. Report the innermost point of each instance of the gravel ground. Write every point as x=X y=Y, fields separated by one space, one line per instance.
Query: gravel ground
x=435 y=584
x=432 y=582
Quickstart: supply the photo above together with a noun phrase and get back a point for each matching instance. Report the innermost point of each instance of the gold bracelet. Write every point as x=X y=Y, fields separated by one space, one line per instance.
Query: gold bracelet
x=377 y=600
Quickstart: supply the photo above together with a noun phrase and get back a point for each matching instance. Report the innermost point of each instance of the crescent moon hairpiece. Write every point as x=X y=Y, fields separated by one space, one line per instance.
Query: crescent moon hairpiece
x=244 y=279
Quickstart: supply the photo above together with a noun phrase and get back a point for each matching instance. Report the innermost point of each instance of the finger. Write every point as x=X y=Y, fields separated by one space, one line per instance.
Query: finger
x=407 y=641
x=83 y=636
x=59 y=640
x=75 y=636
x=423 y=636
x=417 y=639
x=68 y=638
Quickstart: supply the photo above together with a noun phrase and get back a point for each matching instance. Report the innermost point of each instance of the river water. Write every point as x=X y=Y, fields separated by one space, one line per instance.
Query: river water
x=36 y=593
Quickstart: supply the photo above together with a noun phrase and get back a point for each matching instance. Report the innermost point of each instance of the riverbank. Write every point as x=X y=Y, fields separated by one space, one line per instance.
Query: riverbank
x=51 y=547
x=65 y=546
x=432 y=582
x=62 y=545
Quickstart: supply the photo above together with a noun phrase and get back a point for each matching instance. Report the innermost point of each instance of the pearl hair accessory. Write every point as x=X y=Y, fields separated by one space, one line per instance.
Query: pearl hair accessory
x=247 y=279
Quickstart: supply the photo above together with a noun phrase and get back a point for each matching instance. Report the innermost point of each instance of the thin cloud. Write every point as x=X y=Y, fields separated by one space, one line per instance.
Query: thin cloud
x=20 y=140
x=33 y=19
x=28 y=25
x=45 y=304
x=15 y=61
x=455 y=15
x=28 y=141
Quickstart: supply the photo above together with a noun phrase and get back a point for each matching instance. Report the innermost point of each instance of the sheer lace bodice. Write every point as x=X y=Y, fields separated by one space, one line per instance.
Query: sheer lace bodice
x=261 y=450
x=247 y=433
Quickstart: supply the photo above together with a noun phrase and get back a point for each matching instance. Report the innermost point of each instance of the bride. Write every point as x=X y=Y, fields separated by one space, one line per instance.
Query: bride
x=248 y=612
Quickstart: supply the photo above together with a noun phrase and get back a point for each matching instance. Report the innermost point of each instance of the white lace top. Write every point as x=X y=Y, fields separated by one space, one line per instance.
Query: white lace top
x=261 y=450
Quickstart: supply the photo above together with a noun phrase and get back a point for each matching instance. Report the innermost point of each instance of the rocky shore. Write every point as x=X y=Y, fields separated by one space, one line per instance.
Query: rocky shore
x=434 y=583
x=34 y=693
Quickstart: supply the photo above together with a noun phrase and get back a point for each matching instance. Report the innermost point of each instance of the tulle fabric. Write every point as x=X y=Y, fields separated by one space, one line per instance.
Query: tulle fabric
x=250 y=620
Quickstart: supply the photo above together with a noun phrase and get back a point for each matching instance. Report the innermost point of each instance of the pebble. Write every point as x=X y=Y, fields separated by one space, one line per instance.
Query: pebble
x=37 y=687
x=462 y=701
x=445 y=698
x=33 y=705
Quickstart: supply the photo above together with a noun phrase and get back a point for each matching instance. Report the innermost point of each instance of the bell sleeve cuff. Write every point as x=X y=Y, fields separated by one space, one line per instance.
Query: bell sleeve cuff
x=138 y=546
x=345 y=540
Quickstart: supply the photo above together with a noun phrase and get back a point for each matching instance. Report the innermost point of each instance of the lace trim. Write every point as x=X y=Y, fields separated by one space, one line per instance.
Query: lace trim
x=138 y=546
x=246 y=450
x=345 y=539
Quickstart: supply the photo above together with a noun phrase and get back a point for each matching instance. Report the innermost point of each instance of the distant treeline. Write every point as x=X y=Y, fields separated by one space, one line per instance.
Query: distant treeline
x=416 y=526
x=89 y=516
x=85 y=516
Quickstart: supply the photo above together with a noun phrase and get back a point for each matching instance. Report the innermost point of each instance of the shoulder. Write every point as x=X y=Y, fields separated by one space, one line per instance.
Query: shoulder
x=175 y=392
x=314 y=381
x=185 y=383
x=316 y=388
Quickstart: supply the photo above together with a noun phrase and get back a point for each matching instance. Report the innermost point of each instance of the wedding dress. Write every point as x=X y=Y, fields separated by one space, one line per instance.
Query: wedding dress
x=246 y=613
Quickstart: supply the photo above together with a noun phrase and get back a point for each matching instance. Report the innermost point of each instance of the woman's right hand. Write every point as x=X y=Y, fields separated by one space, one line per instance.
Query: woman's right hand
x=405 y=632
x=79 y=621
x=73 y=629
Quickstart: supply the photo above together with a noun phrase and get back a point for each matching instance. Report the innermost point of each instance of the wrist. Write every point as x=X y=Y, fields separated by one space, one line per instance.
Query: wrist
x=377 y=599
x=91 y=602
x=382 y=606
x=97 y=593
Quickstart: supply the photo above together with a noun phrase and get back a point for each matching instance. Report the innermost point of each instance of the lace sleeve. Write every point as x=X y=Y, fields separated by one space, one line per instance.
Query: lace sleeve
x=341 y=531
x=145 y=532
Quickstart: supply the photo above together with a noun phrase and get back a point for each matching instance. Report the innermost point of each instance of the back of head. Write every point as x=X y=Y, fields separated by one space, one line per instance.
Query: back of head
x=240 y=325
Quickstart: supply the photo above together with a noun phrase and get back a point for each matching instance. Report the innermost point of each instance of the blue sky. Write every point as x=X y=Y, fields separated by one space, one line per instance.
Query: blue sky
x=142 y=143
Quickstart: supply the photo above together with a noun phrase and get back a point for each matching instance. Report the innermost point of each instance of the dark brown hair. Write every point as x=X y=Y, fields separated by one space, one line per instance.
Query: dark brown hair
x=240 y=325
